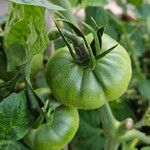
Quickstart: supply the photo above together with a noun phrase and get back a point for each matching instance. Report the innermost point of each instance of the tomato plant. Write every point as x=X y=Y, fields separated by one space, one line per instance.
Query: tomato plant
x=72 y=84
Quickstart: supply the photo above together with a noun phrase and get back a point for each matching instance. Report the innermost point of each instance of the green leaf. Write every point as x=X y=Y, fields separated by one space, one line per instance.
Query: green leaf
x=148 y=23
x=144 y=88
x=25 y=34
x=136 y=2
x=89 y=135
x=34 y=101
x=11 y=145
x=15 y=119
x=144 y=10
x=146 y=148
x=12 y=83
x=85 y=3
x=42 y=3
x=122 y=110
x=146 y=117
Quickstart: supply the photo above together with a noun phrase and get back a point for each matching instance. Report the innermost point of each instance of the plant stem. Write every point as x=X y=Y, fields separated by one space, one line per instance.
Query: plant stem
x=116 y=132
x=76 y=41
x=109 y=125
x=111 y=144
x=129 y=135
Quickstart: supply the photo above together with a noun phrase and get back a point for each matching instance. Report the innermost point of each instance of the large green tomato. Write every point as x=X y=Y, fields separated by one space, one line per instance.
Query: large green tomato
x=57 y=133
x=84 y=88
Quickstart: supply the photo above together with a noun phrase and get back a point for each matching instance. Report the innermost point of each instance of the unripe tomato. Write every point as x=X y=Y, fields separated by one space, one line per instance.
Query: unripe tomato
x=85 y=88
x=36 y=64
x=56 y=134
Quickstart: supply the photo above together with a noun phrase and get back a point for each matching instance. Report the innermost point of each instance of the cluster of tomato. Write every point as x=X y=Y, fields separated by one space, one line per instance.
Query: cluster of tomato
x=77 y=87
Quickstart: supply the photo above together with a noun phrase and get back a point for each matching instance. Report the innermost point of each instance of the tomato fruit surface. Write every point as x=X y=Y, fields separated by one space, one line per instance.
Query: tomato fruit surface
x=55 y=134
x=85 y=88
x=36 y=64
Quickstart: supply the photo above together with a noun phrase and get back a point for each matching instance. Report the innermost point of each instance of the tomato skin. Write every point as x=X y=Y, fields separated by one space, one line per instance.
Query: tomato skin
x=83 y=88
x=55 y=135
x=36 y=64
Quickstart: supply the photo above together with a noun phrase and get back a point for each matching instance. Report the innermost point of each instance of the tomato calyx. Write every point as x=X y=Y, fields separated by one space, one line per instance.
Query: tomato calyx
x=82 y=52
x=47 y=113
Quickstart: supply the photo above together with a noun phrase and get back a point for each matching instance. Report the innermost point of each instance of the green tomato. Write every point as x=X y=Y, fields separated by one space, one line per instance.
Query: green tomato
x=36 y=64
x=4 y=75
x=57 y=133
x=84 y=88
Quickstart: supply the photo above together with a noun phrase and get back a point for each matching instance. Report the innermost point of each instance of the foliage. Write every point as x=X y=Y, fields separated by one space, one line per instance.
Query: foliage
x=15 y=118
x=26 y=44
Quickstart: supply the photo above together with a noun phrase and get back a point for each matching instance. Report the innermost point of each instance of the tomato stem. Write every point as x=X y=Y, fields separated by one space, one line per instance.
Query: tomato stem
x=76 y=41
x=109 y=125
x=131 y=134
x=115 y=131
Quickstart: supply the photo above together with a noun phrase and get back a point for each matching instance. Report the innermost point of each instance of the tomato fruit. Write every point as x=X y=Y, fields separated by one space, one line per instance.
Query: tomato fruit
x=57 y=133
x=85 y=88
x=36 y=64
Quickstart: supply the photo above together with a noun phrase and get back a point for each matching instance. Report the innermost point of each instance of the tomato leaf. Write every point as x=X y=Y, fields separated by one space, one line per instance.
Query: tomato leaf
x=85 y=3
x=12 y=83
x=84 y=139
x=143 y=87
x=136 y=3
x=42 y=3
x=145 y=148
x=11 y=145
x=33 y=99
x=15 y=119
x=25 y=34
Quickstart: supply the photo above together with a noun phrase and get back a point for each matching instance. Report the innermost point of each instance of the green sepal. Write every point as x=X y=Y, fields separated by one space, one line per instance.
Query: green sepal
x=94 y=23
x=100 y=34
x=76 y=30
x=68 y=45
x=80 y=34
x=106 y=52
x=96 y=39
